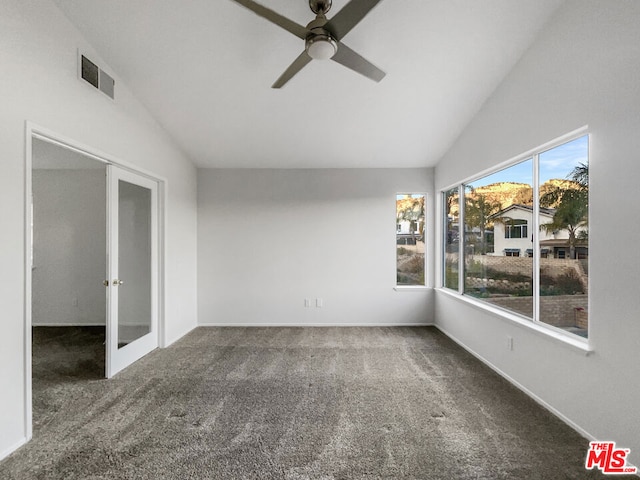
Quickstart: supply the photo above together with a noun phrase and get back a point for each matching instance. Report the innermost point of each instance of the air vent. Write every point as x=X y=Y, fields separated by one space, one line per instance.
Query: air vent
x=97 y=77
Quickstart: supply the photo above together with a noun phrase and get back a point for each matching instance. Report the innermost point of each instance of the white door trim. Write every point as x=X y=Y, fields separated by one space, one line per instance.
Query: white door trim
x=33 y=130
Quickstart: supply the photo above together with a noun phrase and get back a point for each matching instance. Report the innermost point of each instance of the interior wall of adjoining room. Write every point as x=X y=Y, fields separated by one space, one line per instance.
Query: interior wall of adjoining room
x=135 y=262
x=582 y=70
x=269 y=239
x=69 y=247
x=39 y=58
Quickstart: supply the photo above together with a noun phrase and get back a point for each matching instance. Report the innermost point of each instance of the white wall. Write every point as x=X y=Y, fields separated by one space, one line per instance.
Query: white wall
x=268 y=239
x=69 y=247
x=39 y=83
x=584 y=69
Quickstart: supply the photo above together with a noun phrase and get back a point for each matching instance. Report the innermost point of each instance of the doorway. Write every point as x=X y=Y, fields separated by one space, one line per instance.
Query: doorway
x=93 y=268
x=68 y=258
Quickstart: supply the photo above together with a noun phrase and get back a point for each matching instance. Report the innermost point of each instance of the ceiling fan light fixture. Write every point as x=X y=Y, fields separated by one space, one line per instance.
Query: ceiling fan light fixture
x=321 y=47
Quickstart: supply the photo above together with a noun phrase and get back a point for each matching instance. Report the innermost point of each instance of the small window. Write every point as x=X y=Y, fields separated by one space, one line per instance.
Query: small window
x=515 y=229
x=410 y=239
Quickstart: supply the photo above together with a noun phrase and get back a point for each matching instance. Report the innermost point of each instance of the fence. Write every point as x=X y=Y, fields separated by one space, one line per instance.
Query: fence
x=553 y=267
x=558 y=310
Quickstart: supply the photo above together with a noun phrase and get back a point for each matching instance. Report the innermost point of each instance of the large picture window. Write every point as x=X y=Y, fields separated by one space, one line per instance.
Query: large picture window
x=410 y=239
x=524 y=237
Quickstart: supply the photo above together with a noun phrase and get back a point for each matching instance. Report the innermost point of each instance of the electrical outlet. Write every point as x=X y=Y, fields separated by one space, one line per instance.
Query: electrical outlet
x=509 y=343
x=307 y=302
x=319 y=303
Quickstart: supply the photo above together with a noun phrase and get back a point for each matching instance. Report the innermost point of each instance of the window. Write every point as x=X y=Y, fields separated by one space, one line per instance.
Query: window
x=515 y=229
x=524 y=239
x=496 y=210
x=410 y=239
x=451 y=238
x=564 y=194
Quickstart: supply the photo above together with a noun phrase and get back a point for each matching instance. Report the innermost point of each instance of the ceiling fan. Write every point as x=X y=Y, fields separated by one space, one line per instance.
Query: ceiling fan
x=323 y=38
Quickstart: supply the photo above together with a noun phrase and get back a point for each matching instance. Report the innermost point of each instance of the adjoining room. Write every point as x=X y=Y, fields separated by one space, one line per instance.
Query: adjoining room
x=68 y=268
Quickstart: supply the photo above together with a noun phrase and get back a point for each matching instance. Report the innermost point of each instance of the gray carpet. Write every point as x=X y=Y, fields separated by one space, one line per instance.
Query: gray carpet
x=288 y=403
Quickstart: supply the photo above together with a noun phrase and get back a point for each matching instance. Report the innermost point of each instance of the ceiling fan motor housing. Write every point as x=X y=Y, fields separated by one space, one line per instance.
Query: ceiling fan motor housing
x=320 y=7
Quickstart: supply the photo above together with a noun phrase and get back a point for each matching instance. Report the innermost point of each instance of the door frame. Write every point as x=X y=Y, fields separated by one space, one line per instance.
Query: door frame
x=32 y=131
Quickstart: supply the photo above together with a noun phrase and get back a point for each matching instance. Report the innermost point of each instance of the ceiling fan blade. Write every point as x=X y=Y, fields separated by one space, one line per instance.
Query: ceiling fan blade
x=297 y=65
x=289 y=25
x=347 y=18
x=350 y=59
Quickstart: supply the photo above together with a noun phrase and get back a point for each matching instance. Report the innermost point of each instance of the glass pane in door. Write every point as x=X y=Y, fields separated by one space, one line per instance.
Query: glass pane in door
x=134 y=262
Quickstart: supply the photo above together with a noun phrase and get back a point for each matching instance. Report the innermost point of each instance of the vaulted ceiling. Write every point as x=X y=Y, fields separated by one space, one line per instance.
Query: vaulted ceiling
x=205 y=68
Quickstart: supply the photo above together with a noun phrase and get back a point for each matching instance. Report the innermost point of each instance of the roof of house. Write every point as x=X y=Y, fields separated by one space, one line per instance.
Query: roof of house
x=518 y=206
x=562 y=242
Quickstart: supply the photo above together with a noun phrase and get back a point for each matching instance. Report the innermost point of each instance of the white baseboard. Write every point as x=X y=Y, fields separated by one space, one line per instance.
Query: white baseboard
x=68 y=325
x=170 y=341
x=243 y=325
x=5 y=453
x=522 y=388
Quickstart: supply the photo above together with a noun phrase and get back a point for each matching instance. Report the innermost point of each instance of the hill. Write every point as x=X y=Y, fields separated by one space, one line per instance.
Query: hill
x=503 y=194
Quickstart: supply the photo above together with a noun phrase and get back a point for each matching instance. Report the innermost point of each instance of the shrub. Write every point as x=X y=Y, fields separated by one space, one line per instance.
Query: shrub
x=569 y=283
x=415 y=265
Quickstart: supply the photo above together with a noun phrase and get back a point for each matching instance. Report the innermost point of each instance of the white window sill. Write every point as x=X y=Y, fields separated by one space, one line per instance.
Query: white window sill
x=411 y=288
x=566 y=338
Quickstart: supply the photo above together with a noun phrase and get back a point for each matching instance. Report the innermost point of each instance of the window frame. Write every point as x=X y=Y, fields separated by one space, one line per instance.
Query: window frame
x=425 y=284
x=512 y=226
x=534 y=322
x=445 y=231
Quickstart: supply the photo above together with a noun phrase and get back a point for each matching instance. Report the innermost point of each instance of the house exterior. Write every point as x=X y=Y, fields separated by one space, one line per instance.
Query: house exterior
x=513 y=234
x=410 y=219
x=403 y=227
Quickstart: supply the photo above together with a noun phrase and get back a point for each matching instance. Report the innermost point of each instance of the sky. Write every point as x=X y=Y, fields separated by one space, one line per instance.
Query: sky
x=555 y=163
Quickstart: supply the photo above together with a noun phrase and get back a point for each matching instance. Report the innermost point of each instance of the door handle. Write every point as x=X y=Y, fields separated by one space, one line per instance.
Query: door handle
x=117 y=282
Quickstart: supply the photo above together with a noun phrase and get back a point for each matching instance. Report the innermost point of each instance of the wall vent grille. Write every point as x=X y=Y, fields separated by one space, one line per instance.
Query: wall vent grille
x=97 y=77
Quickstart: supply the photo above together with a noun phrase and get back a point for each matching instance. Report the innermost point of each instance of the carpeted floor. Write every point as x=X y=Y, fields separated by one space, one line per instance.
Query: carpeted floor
x=288 y=403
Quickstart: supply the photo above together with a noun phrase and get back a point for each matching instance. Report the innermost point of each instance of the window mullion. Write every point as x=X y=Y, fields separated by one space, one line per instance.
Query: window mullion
x=462 y=238
x=535 y=223
x=443 y=238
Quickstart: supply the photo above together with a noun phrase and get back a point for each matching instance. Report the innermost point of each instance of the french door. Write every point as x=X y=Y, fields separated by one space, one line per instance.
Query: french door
x=132 y=272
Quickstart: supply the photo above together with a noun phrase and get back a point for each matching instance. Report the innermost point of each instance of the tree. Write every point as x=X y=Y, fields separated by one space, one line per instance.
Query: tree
x=571 y=201
x=580 y=175
x=477 y=211
x=411 y=209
